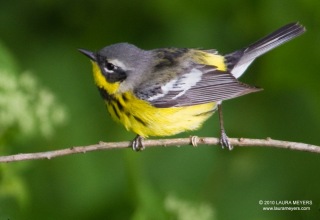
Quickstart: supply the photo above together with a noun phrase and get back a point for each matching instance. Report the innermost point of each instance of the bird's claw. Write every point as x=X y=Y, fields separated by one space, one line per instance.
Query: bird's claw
x=137 y=143
x=224 y=141
x=194 y=140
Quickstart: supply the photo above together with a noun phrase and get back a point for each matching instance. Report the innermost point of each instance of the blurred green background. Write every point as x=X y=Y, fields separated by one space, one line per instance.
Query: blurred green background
x=39 y=41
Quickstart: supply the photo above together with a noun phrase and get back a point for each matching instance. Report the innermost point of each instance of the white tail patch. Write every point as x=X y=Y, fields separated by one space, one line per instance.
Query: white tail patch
x=239 y=69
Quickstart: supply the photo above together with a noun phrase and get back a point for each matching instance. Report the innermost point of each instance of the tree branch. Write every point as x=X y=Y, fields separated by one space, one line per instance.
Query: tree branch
x=194 y=140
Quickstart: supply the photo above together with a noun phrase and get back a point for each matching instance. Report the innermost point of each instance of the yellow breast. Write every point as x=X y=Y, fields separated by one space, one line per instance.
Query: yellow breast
x=146 y=120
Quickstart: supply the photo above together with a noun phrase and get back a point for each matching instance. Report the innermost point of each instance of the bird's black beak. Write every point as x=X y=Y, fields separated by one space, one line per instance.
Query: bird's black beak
x=91 y=55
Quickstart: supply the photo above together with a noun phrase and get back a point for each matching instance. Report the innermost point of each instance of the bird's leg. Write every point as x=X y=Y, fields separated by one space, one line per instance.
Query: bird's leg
x=224 y=141
x=137 y=143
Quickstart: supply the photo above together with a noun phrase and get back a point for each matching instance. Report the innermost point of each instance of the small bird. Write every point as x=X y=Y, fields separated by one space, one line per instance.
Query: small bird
x=166 y=91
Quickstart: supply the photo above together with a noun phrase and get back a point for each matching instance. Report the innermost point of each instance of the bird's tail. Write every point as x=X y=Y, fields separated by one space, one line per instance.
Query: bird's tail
x=238 y=61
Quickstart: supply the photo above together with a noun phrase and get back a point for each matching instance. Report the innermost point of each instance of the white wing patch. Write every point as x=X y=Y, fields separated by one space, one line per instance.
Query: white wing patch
x=180 y=85
x=187 y=81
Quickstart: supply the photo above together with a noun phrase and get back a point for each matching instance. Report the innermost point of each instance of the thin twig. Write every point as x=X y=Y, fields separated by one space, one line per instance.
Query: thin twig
x=240 y=142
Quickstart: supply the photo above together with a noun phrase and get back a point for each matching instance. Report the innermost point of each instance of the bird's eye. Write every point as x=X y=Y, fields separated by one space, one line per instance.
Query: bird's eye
x=110 y=66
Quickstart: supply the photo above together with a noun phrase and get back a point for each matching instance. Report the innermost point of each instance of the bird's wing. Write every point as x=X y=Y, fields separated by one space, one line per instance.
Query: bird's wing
x=197 y=84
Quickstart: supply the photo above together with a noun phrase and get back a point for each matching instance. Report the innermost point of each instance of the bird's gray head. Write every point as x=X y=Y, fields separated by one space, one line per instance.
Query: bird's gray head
x=121 y=62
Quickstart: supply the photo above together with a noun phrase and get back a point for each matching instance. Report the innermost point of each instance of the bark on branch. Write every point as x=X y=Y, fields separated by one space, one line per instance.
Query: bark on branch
x=236 y=142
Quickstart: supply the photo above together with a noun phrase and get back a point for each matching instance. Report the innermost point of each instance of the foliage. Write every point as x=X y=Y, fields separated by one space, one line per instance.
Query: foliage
x=27 y=109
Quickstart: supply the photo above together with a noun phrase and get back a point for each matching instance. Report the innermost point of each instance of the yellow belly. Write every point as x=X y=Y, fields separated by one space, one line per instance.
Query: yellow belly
x=146 y=120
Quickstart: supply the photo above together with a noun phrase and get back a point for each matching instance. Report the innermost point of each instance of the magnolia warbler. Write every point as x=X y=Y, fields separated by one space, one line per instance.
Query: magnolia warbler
x=166 y=91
